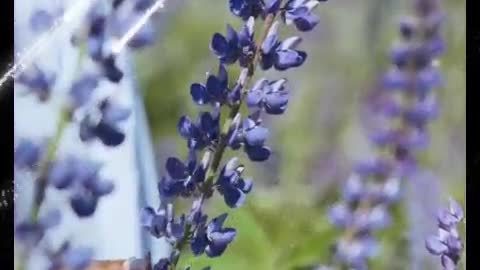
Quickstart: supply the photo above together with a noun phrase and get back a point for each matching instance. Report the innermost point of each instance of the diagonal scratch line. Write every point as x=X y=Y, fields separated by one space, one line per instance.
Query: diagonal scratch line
x=41 y=43
x=120 y=44
x=44 y=40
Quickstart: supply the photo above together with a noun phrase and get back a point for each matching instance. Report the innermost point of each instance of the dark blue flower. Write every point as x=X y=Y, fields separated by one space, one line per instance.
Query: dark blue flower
x=183 y=178
x=214 y=91
x=155 y=223
x=254 y=138
x=203 y=132
x=299 y=12
x=235 y=46
x=105 y=125
x=213 y=239
x=110 y=69
x=231 y=184
x=246 y=8
x=96 y=42
x=163 y=223
x=268 y=95
x=281 y=55
x=96 y=36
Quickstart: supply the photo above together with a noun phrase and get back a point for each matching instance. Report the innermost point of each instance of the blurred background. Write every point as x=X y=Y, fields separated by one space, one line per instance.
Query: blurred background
x=284 y=225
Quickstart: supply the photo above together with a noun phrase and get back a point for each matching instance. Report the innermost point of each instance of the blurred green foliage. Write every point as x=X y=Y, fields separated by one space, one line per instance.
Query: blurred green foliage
x=284 y=225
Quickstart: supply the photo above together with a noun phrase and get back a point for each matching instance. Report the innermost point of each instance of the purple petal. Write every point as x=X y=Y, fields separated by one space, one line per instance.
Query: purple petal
x=256 y=136
x=456 y=209
x=289 y=58
x=254 y=98
x=216 y=223
x=214 y=87
x=306 y=23
x=258 y=153
x=340 y=215
x=61 y=174
x=223 y=237
x=199 y=94
x=233 y=196
x=176 y=169
x=219 y=44
x=41 y=20
x=184 y=126
x=448 y=263
x=434 y=246
x=82 y=89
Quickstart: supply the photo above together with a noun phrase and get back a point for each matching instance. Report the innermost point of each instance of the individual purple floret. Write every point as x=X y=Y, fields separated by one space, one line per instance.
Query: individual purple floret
x=38 y=81
x=252 y=136
x=234 y=46
x=183 y=178
x=81 y=178
x=246 y=8
x=447 y=243
x=212 y=238
x=281 y=54
x=270 y=96
x=201 y=133
x=231 y=184
x=104 y=124
x=215 y=90
x=299 y=13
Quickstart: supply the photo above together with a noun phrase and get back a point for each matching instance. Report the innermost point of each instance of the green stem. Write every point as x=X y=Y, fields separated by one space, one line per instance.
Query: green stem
x=42 y=180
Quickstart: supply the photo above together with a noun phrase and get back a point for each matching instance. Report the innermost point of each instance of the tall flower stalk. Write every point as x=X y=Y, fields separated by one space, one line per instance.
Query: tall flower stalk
x=407 y=104
x=97 y=120
x=198 y=179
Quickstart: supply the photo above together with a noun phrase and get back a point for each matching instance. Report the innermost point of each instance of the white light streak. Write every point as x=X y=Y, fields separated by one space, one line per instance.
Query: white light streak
x=26 y=58
x=118 y=46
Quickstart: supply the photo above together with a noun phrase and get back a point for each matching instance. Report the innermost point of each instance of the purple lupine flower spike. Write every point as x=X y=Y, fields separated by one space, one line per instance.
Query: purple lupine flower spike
x=447 y=243
x=207 y=138
x=375 y=185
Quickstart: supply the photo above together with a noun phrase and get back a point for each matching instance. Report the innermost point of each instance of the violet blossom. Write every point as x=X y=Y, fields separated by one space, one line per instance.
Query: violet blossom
x=208 y=138
x=376 y=184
